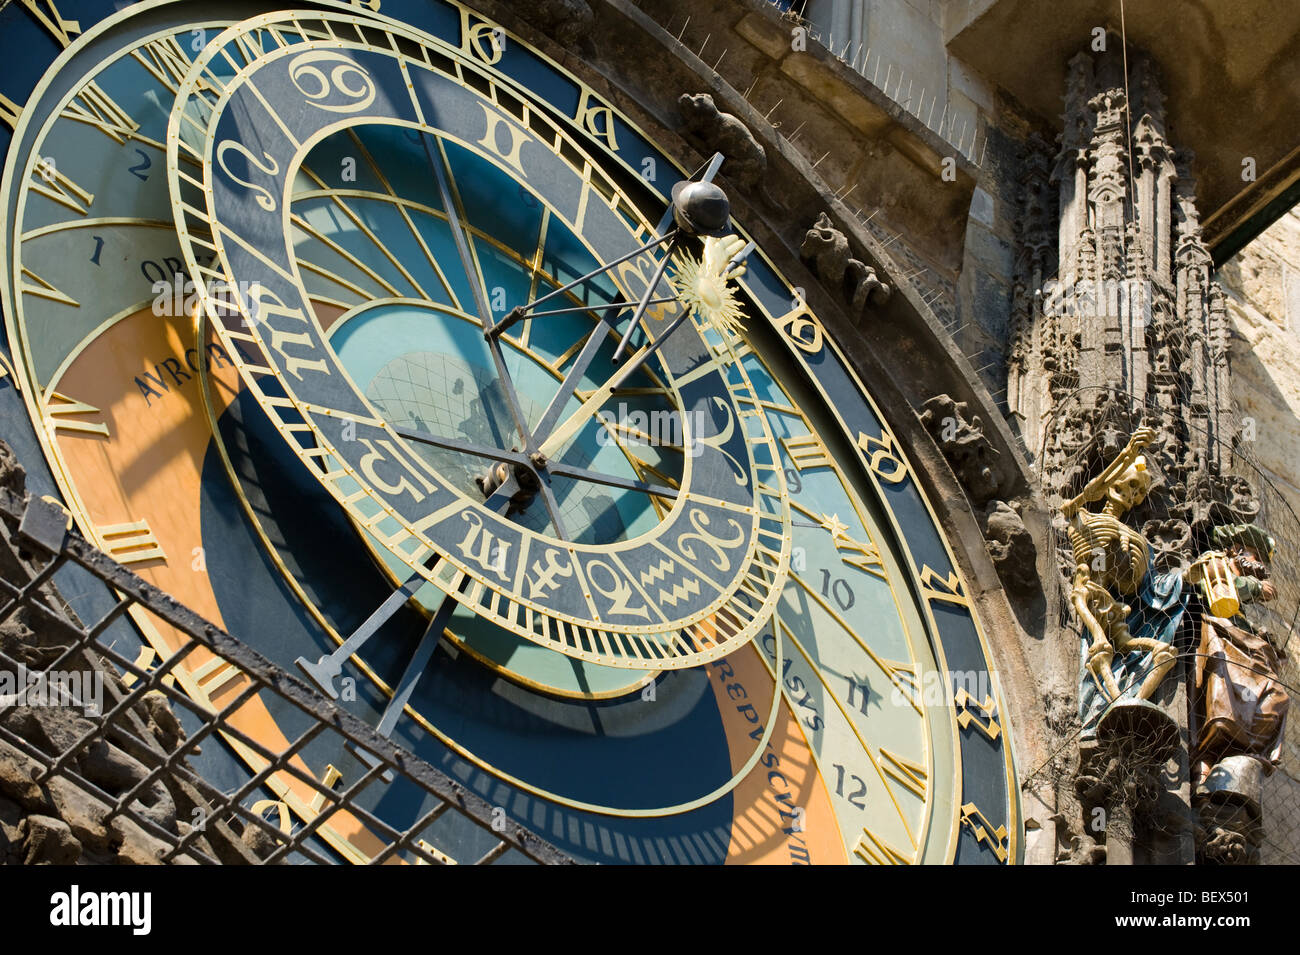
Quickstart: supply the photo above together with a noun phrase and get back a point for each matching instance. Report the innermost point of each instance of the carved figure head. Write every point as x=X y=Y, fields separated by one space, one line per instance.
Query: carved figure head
x=1131 y=487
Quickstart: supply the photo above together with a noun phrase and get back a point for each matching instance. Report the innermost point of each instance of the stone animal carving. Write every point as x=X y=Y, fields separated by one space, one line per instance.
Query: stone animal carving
x=746 y=159
x=569 y=21
x=828 y=249
x=964 y=444
x=1110 y=555
x=1010 y=545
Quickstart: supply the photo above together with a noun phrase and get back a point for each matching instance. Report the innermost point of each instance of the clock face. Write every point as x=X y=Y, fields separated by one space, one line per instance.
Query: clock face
x=253 y=281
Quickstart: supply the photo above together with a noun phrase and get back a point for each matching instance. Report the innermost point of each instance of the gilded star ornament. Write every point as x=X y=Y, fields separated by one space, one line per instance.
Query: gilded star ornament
x=833 y=524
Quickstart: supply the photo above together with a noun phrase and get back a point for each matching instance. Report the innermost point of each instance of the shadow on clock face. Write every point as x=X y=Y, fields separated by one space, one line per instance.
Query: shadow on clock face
x=628 y=752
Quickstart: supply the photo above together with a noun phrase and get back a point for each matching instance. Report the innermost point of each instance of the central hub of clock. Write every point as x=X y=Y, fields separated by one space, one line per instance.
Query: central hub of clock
x=426 y=369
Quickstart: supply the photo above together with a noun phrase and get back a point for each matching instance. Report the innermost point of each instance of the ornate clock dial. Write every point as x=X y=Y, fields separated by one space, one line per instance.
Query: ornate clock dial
x=802 y=706
x=714 y=562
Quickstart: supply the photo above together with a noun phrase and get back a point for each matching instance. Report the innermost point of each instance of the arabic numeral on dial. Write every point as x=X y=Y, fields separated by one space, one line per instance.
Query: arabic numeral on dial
x=99 y=247
x=857 y=798
x=140 y=169
x=858 y=690
x=793 y=481
x=838 y=589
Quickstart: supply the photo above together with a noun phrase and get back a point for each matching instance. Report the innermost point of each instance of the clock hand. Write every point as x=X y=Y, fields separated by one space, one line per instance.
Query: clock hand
x=645 y=299
x=570 y=383
x=411 y=674
x=329 y=666
x=519 y=458
x=619 y=306
x=465 y=447
x=700 y=208
x=610 y=480
x=480 y=297
x=690 y=212
x=520 y=312
x=576 y=421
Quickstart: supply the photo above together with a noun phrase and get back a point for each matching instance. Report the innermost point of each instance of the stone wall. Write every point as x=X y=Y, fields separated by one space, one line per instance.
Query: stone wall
x=1263 y=286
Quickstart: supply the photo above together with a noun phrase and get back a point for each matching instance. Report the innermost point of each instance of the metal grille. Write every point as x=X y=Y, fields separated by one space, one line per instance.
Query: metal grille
x=38 y=529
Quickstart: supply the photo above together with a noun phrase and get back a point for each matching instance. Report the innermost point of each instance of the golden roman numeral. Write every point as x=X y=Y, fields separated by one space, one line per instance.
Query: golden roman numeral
x=60 y=408
x=63 y=29
x=873 y=850
x=865 y=557
x=44 y=289
x=9 y=111
x=130 y=543
x=215 y=675
x=911 y=776
x=516 y=136
x=903 y=676
x=166 y=60
x=250 y=46
x=148 y=659
x=53 y=184
x=329 y=781
x=807 y=452
x=96 y=108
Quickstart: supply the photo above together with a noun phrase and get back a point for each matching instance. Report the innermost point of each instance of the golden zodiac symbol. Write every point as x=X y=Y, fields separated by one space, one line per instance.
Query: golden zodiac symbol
x=272 y=168
x=482 y=546
x=717 y=441
x=618 y=590
x=548 y=577
x=302 y=68
x=700 y=520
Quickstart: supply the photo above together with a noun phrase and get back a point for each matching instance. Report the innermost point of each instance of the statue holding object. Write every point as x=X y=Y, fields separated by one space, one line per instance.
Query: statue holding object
x=1240 y=706
x=1109 y=558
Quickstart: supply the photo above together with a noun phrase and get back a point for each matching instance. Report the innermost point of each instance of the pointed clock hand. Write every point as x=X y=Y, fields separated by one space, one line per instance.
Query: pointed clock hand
x=414 y=669
x=330 y=666
x=575 y=422
x=665 y=232
x=480 y=298
x=553 y=441
x=645 y=299
x=520 y=312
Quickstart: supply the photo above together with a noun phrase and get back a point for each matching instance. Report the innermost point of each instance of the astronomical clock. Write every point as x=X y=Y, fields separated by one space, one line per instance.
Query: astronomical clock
x=387 y=344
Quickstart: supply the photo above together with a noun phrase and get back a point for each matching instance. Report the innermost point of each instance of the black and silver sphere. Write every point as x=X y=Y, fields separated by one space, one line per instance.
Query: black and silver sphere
x=701 y=208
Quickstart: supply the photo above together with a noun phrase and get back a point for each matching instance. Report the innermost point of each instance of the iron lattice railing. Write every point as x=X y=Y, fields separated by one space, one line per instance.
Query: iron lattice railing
x=205 y=810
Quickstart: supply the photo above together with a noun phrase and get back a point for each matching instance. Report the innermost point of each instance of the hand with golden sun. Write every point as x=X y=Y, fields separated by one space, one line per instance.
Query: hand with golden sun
x=704 y=284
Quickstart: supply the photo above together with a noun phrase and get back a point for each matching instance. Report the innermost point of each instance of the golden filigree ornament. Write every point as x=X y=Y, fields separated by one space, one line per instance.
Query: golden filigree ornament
x=704 y=284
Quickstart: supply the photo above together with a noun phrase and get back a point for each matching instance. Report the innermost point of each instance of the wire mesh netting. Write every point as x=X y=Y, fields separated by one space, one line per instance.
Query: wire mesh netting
x=102 y=750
